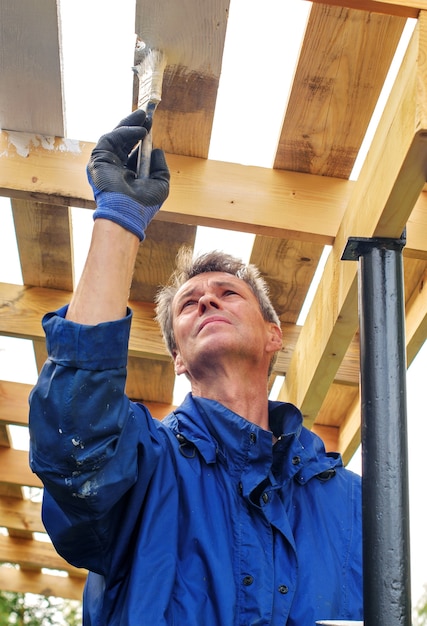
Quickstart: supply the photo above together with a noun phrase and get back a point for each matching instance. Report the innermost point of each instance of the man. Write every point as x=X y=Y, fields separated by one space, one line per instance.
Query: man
x=229 y=512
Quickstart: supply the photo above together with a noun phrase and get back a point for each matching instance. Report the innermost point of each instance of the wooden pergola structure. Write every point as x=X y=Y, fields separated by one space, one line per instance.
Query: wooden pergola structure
x=295 y=208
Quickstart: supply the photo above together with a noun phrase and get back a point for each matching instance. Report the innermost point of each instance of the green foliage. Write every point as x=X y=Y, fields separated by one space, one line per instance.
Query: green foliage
x=420 y=612
x=19 y=609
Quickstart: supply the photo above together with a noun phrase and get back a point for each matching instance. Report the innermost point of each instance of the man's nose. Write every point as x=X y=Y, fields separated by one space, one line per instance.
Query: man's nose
x=208 y=300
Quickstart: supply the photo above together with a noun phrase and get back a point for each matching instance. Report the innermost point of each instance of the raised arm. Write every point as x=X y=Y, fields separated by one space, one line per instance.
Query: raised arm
x=125 y=206
x=84 y=433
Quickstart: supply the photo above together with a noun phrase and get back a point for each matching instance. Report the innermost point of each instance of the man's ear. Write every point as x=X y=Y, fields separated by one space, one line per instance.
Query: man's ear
x=275 y=336
x=178 y=363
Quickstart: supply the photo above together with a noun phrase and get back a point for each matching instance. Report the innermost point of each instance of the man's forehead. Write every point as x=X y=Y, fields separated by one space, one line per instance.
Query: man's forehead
x=209 y=279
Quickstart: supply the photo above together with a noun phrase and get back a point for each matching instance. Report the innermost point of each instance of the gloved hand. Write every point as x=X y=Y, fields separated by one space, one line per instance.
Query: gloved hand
x=120 y=196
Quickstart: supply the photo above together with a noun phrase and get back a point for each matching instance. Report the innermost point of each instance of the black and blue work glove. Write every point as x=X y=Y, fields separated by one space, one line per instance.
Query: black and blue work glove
x=120 y=195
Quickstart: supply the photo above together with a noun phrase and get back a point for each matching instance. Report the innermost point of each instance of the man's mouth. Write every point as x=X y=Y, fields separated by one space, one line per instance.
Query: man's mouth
x=212 y=319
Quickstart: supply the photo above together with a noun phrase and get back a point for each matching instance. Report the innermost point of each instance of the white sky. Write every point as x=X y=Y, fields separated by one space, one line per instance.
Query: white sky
x=94 y=56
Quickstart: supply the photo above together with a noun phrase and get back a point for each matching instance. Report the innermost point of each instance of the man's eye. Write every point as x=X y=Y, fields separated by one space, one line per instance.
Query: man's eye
x=230 y=292
x=188 y=303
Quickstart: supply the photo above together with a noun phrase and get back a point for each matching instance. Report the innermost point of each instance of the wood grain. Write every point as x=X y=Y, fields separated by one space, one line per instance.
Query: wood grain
x=210 y=193
x=192 y=35
x=289 y=205
x=24 y=581
x=156 y=258
x=15 y=470
x=401 y=8
x=29 y=49
x=344 y=60
x=27 y=552
x=14 y=403
x=288 y=267
x=43 y=234
x=384 y=197
x=21 y=514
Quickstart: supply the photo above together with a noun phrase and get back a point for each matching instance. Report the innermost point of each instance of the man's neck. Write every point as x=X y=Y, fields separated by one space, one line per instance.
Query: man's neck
x=242 y=395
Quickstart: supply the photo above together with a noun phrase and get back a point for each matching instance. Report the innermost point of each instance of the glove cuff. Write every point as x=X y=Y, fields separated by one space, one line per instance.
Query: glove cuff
x=125 y=212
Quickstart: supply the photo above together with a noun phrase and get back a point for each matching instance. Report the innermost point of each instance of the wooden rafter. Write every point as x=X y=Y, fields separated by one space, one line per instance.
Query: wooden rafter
x=400 y=8
x=210 y=193
x=381 y=203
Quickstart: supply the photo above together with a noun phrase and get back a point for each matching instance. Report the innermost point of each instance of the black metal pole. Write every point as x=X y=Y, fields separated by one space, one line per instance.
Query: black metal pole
x=387 y=593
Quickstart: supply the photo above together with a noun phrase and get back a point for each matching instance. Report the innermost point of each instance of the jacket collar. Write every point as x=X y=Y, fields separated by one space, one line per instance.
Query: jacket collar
x=221 y=435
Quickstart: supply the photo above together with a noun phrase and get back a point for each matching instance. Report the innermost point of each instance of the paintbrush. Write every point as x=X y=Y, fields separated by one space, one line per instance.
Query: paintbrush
x=149 y=66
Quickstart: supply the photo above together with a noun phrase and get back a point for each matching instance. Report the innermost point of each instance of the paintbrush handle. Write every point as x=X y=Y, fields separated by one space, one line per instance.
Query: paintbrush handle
x=144 y=156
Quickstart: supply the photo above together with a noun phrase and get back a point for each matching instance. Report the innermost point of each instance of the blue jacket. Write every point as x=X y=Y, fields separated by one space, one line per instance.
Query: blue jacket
x=194 y=521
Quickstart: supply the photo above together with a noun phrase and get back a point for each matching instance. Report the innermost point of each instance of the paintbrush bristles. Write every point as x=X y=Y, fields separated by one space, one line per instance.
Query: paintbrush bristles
x=150 y=65
x=150 y=72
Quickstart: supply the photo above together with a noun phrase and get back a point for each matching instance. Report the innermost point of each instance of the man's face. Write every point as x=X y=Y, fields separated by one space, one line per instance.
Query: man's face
x=216 y=316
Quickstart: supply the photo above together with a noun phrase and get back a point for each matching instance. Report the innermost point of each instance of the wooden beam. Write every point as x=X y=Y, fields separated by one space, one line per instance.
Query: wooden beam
x=391 y=180
x=40 y=353
x=289 y=205
x=23 y=308
x=344 y=61
x=337 y=403
x=30 y=67
x=288 y=267
x=401 y=8
x=150 y=380
x=416 y=335
x=31 y=553
x=416 y=234
x=348 y=370
x=211 y=193
x=156 y=258
x=349 y=432
x=20 y=514
x=14 y=403
x=15 y=470
x=341 y=407
x=329 y=436
x=4 y=436
x=43 y=235
x=25 y=581
x=416 y=319
x=192 y=35
x=25 y=321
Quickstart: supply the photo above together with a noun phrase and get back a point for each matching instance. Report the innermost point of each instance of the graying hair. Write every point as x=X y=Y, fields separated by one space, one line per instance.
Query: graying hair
x=215 y=261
